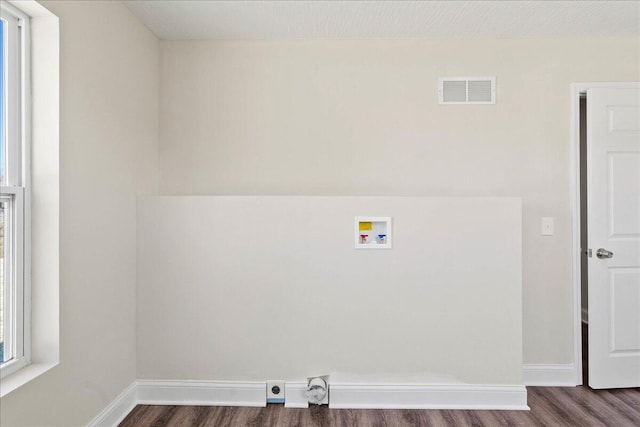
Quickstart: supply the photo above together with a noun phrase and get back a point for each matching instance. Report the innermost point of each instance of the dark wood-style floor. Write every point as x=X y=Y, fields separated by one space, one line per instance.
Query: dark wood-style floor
x=550 y=406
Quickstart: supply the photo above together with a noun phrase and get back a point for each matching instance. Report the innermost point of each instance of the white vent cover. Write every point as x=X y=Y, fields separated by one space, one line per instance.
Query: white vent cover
x=467 y=90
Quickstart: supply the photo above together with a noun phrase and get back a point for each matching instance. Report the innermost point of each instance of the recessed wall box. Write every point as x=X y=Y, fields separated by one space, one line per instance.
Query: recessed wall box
x=373 y=232
x=275 y=391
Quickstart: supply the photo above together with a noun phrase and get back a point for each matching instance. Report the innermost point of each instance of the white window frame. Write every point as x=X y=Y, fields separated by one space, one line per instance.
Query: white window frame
x=16 y=187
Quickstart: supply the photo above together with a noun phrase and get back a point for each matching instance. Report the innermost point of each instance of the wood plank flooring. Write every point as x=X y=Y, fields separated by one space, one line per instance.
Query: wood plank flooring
x=550 y=406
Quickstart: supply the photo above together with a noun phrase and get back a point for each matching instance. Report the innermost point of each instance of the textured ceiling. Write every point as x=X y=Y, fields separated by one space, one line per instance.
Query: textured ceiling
x=277 y=20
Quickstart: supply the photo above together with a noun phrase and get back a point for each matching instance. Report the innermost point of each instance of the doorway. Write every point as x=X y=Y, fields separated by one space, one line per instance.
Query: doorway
x=611 y=317
x=584 y=260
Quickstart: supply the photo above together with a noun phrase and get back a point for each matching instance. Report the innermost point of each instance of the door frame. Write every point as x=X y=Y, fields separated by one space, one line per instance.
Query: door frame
x=578 y=89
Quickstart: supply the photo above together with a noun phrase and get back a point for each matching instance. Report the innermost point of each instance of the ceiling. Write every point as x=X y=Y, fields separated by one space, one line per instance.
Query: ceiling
x=280 y=20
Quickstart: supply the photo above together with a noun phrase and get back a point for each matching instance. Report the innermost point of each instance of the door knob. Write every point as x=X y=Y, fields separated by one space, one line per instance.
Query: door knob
x=603 y=253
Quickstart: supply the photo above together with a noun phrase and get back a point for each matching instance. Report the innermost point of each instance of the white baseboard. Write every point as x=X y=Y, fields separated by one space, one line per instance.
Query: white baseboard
x=117 y=410
x=549 y=375
x=254 y=393
x=295 y=395
x=427 y=397
x=208 y=393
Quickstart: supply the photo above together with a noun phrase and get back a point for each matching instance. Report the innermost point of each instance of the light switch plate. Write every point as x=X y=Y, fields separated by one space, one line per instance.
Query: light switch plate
x=547 y=226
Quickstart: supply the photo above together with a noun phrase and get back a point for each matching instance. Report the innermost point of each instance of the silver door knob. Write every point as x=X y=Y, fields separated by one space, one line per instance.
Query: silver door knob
x=603 y=253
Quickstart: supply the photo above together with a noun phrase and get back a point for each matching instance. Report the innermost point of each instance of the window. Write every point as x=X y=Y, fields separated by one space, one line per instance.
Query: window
x=14 y=195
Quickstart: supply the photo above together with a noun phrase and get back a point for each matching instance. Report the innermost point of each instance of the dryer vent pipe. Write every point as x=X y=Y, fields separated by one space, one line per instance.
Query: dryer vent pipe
x=316 y=390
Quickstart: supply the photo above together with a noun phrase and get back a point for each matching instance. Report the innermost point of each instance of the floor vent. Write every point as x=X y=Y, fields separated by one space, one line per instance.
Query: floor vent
x=467 y=90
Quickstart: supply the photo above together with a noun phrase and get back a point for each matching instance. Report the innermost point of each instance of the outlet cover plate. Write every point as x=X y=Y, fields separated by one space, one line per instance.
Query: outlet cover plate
x=275 y=391
x=547 y=226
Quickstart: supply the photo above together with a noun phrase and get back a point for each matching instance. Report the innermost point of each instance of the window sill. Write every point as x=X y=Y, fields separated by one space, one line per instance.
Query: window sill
x=23 y=376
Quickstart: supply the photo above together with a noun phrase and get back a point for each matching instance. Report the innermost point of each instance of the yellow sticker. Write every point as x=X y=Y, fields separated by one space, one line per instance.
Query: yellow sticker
x=364 y=226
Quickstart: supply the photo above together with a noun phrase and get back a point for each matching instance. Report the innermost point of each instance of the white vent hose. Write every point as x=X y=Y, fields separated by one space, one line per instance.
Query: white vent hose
x=316 y=390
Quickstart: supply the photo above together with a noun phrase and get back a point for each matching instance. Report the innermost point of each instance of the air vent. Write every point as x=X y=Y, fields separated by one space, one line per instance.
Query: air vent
x=467 y=90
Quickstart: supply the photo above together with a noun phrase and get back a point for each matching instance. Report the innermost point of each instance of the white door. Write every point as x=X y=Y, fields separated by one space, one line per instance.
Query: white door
x=613 y=193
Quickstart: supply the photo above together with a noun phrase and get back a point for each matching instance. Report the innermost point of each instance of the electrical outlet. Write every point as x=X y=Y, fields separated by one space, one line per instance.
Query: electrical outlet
x=547 y=226
x=275 y=391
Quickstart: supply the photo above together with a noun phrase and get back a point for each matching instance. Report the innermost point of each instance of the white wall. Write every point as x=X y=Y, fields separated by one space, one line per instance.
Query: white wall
x=259 y=288
x=108 y=154
x=313 y=118
x=361 y=118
